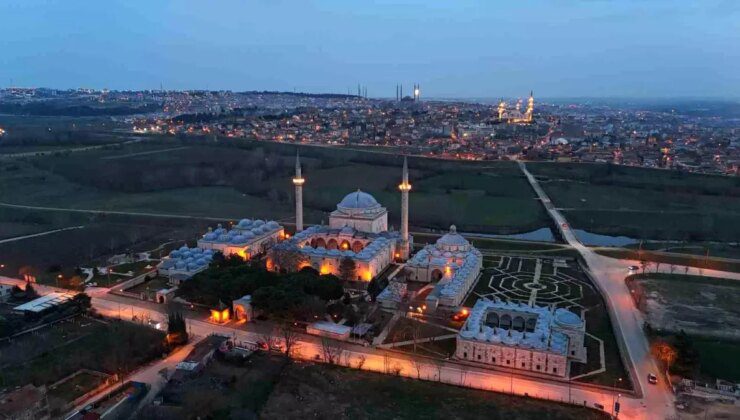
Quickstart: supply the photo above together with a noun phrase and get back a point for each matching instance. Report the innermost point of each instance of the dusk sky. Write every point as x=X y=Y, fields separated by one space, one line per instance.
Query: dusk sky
x=624 y=48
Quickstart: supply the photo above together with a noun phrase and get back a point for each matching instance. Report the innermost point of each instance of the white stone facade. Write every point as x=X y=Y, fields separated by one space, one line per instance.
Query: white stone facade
x=360 y=211
x=246 y=239
x=522 y=337
x=452 y=262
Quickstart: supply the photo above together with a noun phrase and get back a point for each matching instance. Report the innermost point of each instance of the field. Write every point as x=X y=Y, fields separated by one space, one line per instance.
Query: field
x=643 y=203
x=512 y=279
x=704 y=306
x=49 y=355
x=268 y=388
x=254 y=180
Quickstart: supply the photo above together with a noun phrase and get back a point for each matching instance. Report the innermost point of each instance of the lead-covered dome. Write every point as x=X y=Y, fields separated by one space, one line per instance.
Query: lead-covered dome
x=358 y=200
x=453 y=241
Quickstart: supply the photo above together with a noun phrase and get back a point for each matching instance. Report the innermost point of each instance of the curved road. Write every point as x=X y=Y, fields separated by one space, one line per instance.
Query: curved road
x=609 y=275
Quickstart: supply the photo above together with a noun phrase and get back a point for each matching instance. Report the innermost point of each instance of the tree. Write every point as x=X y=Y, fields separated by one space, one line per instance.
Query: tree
x=665 y=353
x=290 y=337
x=332 y=350
x=82 y=302
x=288 y=258
x=30 y=291
x=347 y=269
x=177 y=333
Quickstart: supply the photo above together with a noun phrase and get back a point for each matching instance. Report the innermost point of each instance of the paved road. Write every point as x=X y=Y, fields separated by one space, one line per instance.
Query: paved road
x=609 y=275
x=8 y=156
x=33 y=235
x=378 y=360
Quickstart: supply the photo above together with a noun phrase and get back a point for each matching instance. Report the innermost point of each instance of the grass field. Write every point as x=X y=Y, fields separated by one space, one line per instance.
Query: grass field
x=669 y=258
x=52 y=354
x=312 y=390
x=644 y=203
x=254 y=180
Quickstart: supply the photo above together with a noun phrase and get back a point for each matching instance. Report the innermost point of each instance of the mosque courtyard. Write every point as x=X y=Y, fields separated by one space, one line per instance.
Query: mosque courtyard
x=542 y=281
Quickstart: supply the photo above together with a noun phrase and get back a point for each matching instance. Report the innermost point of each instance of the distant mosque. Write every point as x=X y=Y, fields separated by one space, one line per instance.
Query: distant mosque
x=515 y=115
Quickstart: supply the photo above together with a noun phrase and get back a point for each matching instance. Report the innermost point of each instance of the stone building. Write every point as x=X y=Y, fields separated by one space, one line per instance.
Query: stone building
x=519 y=336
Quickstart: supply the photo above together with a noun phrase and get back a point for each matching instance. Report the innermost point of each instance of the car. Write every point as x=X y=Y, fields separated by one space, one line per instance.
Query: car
x=633 y=268
x=565 y=226
x=652 y=379
x=599 y=406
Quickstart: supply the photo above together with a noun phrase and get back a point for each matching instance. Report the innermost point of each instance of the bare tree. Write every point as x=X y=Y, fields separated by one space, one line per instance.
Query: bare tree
x=418 y=366
x=386 y=363
x=269 y=338
x=463 y=374
x=397 y=369
x=672 y=268
x=438 y=366
x=361 y=359
x=332 y=351
x=290 y=337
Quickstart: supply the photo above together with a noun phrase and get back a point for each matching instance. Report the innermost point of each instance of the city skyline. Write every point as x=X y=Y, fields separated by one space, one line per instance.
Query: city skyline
x=559 y=49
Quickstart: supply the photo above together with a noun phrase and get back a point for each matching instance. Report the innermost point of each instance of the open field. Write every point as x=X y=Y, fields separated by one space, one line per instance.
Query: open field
x=644 y=203
x=321 y=391
x=721 y=250
x=101 y=237
x=704 y=306
x=50 y=354
x=508 y=278
x=254 y=180
x=268 y=388
x=670 y=258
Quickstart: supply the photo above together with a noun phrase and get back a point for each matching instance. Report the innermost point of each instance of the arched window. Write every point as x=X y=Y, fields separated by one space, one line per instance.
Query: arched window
x=357 y=247
x=531 y=323
x=332 y=244
x=344 y=245
x=320 y=243
x=436 y=274
x=518 y=323
x=492 y=319
x=505 y=321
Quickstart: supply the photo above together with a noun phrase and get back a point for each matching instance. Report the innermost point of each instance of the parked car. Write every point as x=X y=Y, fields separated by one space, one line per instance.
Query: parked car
x=599 y=406
x=652 y=378
x=634 y=268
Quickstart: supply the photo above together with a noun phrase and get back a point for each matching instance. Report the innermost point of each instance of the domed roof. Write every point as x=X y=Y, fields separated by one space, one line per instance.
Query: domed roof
x=358 y=200
x=452 y=238
x=567 y=318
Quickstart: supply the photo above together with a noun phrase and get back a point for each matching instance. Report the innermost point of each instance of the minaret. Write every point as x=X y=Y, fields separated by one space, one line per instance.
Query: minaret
x=501 y=110
x=405 y=187
x=298 y=182
x=530 y=106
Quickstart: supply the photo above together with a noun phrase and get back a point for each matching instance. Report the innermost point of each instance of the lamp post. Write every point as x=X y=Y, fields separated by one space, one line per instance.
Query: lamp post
x=618 y=395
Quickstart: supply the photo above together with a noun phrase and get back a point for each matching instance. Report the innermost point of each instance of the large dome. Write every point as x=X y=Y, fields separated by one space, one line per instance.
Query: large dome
x=358 y=200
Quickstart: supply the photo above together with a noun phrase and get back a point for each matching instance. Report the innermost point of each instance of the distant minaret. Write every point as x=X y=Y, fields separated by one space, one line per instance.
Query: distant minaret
x=530 y=107
x=501 y=110
x=417 y=92
x=298 y=182
x=405 y=187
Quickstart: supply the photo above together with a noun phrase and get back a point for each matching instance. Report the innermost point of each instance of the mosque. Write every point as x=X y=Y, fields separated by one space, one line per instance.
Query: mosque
x=357 y=231
x=515 y=115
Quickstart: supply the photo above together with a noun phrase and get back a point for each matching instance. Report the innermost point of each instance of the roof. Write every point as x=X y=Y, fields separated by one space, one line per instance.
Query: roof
x=358 y=200
x=45 y=302
x=452 y=238
x=331 y=327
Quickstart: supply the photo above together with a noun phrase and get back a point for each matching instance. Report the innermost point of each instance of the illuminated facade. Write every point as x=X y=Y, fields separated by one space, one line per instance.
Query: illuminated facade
x=246 y=239
x=519 y=336
x=357 y=230
x=452 y=262
x=515 y=115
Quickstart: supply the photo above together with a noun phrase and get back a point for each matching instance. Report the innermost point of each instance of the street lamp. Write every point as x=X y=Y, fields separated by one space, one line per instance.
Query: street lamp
x=618 y=395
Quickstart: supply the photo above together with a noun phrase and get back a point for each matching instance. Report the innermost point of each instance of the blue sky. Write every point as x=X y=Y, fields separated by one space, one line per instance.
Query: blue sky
x=491 y=48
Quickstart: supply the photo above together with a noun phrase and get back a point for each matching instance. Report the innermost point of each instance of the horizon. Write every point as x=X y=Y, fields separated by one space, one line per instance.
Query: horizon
x=595 y=49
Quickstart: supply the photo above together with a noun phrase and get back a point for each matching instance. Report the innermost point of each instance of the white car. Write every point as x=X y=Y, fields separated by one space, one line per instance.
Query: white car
x=652 y=379
x=633 y=268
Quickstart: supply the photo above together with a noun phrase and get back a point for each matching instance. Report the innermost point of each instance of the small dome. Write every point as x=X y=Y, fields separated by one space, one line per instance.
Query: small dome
x=258 y=222
x=237 y=239
x=244 y=223
x=183 y=248
x=567 y=318
x=223 y=238
x=358 y=200
x=273 y=224
x=180 y=265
